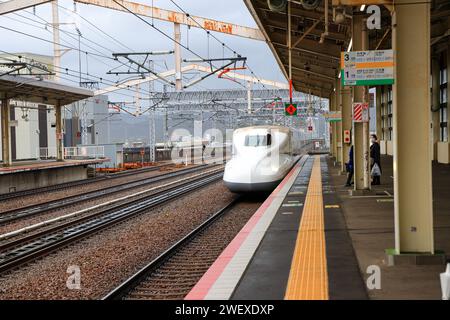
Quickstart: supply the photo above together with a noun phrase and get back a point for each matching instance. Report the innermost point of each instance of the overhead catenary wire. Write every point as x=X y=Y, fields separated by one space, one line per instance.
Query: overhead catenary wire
x=73 y=47
x=93 y=55
x=224 y=45
x=75 y=74
x=46 y=23
x=163 y=33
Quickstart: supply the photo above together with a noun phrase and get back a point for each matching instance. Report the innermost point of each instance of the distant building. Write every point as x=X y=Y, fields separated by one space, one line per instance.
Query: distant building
x=33 y=132
x=33 y=126
x=88 y=122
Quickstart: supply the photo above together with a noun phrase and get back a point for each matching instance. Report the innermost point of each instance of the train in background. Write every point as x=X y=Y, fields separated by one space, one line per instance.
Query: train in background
x=261 y=157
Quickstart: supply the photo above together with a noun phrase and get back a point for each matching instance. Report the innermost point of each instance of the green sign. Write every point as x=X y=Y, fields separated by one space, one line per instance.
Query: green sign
x=367 y=68
x=290 y=109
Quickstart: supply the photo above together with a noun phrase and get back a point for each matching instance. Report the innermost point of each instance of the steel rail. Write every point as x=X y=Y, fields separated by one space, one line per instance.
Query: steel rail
x=62 y=186
x=36 y=209
x=45 y=242
x=132 y=282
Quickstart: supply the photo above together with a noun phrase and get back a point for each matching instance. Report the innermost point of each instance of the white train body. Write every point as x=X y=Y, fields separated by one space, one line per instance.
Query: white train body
x=262 y=156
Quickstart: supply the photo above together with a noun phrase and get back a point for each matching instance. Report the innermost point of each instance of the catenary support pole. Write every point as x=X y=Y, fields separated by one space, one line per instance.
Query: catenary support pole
x=59 y=133
x=6 y=144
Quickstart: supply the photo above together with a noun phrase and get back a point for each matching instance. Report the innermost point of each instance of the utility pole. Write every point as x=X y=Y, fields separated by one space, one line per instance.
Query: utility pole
x=249 y=97
x=138 y=99
x=177 y=53
x=56 y=46
x=152 y=114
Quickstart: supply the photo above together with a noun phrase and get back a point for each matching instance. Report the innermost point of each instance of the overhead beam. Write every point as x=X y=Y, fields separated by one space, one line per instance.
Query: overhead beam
x=361 y=2
x=317 y=74
x=317 y=29
x=179 y=17
x=252 y=9
x=299 y=12
x=325 y=50
x=310 y=29
x=16 y=5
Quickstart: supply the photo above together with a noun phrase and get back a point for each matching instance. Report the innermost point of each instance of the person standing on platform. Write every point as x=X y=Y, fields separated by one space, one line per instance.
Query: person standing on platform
x=349 y=168
x=375 y=157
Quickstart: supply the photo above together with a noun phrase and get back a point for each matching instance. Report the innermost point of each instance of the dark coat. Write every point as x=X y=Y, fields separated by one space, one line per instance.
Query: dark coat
x=375 y=153
x=350 y=160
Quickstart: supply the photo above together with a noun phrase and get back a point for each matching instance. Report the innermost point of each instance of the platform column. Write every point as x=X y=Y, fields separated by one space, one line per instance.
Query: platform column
x=346 y=124
x=360 y=130
x=338 y=124
x=333 y=128
x=378 y=112
x=411 y=118
x=59 y=133
x=435 y=107
x=447 y=147
x=5 y=112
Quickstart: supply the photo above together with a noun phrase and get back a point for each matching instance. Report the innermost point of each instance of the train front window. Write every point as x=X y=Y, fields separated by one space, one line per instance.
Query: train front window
x=258 y=140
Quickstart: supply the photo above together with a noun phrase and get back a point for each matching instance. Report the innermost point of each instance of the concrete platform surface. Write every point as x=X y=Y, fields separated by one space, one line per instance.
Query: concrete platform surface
x=295 y=247
x=46 y=164
x=370 y=223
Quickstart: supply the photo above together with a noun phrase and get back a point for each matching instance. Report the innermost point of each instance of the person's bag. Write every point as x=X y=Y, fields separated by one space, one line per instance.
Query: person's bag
x=376 y=172
x=348 y=167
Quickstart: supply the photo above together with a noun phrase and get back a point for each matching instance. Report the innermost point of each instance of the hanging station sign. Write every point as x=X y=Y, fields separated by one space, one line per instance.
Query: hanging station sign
x=367 y=68
x=333 y=116
x=290 y=109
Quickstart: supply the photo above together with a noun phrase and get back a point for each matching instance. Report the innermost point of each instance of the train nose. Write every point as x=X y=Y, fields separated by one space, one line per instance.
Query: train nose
x=239 y=170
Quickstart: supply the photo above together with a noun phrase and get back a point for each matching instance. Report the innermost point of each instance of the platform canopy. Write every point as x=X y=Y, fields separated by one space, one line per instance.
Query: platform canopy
x=315 y=62
x=40 y=91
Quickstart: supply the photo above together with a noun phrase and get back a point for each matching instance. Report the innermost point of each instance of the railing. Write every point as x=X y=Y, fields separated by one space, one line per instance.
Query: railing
x=84 y=152
x=46 y=153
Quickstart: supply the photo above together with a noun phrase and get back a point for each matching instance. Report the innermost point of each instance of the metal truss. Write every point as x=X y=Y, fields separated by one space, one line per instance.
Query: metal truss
x=14 y=67
x=186 y=97
x=136 y=67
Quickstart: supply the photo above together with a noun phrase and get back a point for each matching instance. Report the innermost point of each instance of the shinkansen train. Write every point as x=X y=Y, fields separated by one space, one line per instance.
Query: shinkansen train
x=261 y=158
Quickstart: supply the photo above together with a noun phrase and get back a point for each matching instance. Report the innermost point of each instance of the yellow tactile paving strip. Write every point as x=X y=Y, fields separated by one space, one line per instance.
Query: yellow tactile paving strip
x=308 y=278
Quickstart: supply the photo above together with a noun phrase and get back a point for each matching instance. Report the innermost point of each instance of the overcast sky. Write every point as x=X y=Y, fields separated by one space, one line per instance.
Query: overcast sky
x=138 y=36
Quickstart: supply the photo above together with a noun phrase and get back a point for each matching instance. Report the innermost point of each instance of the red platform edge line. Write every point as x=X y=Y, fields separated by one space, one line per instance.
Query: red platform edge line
x=201 y=289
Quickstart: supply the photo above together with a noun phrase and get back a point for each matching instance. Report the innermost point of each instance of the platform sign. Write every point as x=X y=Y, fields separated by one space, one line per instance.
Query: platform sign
x=366 y=68
x=360 y=112
x=333 y=116
x=347 y=137
x=290 y=109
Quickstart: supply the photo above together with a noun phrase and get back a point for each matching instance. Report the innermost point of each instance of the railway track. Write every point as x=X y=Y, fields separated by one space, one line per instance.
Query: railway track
x=34 y=210
x=19 y=251
x=175 y=272
x=62 y=186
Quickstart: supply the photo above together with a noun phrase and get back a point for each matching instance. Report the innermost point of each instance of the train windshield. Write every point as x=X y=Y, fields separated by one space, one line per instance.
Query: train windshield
x=258 y=140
